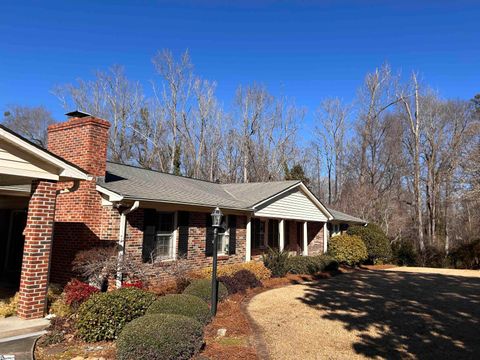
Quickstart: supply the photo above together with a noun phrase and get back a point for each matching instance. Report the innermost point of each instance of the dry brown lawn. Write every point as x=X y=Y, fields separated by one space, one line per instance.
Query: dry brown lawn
x=383 y=314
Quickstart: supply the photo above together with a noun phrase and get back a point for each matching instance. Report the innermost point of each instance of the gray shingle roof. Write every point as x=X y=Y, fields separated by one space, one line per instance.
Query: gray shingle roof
x=141 y=184
x=253 y=193
x=340 y=216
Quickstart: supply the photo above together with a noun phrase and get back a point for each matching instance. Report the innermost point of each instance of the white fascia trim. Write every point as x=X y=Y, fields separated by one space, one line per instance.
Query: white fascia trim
x=66 y=170
x=307 y=192
x=112 y=196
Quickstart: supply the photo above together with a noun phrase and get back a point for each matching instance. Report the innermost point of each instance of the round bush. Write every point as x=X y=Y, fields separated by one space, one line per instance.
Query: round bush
x=104 y=315
x=376 y=241
x=303 y=265
x=327 y=263
x=181 y=304
x=160 y=337
x=240 y=281
x=202 y=288
x=347 y=249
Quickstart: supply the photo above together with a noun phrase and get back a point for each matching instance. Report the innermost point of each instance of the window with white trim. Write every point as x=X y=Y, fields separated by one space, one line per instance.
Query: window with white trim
x=223 y=238
x=160 y=237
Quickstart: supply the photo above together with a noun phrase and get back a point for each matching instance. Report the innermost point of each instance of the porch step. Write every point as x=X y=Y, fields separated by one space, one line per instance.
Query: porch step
x=14 y=326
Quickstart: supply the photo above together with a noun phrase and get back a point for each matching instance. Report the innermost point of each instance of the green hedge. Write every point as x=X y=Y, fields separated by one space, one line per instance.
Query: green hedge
x=202 y=288
x=311 y=264
x=160 y=337
x=378 y=246
x=347 y=249
x=104 y=315
x=181 y=304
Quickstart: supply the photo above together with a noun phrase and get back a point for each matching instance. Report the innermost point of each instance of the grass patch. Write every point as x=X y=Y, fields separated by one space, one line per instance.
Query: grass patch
x=231 y=341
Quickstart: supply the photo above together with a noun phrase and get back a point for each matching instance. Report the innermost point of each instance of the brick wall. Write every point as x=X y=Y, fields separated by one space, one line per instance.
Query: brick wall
x=196 y=258
x=36 y=251
x=81 y=222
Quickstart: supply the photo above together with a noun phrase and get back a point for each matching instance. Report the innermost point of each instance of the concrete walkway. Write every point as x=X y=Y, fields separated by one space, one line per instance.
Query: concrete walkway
x=18 y=336
x=373 y=314
x=21 y=348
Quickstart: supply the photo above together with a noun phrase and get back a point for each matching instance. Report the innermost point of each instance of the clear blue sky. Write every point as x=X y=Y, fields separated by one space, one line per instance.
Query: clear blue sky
x=306 y=50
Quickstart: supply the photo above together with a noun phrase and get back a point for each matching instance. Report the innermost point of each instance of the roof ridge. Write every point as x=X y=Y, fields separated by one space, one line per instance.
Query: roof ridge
x=163 y=172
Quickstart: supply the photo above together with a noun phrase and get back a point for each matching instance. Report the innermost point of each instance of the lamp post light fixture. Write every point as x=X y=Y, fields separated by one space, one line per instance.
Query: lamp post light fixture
x=216 y=220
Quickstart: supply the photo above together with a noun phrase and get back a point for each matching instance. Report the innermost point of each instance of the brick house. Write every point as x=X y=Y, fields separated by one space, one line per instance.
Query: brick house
x=57 y=202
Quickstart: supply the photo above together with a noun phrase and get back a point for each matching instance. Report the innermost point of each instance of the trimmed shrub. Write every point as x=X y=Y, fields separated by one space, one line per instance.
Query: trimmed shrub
x=257 y=268
x=304 y=265
x=311 y=264
x=240 y=281
x=181 y=304
x=160 y=337
x=376 y=241
x=328 y=263
x=347 y=249
x=276 y=261
x=77 y=292
x=104 y=315
x=404 y=254
x=203 y=289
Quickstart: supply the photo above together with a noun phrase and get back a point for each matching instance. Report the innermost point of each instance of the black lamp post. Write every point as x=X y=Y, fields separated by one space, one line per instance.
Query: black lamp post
x=216 y=219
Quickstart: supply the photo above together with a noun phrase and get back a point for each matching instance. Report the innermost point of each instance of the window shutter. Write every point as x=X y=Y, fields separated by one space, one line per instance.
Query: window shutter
x=149 y=229
x=232 y=223
x=209 y=235
x=183 y=217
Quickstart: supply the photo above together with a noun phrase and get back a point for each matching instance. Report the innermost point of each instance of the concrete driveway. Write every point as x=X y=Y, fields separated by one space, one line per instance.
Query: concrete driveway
x=409 y=313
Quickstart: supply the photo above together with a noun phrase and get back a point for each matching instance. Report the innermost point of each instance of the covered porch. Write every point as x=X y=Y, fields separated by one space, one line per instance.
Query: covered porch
x=27 y=218
x=293 y=220
x=295 y=236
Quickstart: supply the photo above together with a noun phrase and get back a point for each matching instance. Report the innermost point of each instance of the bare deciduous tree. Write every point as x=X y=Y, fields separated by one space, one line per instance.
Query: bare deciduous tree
x=31 y=122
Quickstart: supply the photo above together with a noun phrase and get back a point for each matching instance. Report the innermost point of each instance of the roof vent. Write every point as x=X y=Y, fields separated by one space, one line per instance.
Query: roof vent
x=77 y=114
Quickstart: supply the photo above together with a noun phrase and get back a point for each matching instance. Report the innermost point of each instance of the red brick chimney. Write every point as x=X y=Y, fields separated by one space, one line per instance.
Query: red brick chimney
x=82 y=140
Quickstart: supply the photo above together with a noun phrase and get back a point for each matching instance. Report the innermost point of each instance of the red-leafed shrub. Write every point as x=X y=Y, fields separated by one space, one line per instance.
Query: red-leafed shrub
x=240 y=281
x=135 y=284
x=77 y=292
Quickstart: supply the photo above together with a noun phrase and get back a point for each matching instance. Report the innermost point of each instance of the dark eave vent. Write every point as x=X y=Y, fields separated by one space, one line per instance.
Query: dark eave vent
x=77 y=114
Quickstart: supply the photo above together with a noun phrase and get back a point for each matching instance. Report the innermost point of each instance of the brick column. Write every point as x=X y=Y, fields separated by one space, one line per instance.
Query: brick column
x=36 y=252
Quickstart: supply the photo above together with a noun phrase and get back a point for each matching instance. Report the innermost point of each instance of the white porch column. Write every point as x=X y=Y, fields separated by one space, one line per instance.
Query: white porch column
x=248 y=242
x=281 y=235
x=325 y=238
x=305 y=239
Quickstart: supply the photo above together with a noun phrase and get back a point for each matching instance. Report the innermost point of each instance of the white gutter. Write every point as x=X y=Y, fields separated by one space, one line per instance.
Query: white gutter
x=121 y=240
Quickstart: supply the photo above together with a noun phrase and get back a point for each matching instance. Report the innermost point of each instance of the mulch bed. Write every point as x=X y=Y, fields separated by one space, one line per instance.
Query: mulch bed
x=238 y=343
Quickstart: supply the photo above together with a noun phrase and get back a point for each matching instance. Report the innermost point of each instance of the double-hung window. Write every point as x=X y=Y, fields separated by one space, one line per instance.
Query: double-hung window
x=159 y=241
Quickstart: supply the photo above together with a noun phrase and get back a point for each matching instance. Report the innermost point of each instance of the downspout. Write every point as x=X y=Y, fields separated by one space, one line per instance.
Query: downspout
x=121 y=240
